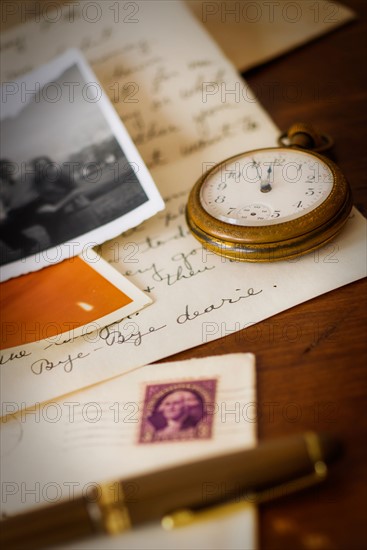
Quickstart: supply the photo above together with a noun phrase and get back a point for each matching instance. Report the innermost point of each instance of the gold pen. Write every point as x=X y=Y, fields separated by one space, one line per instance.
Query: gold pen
x=180 y=494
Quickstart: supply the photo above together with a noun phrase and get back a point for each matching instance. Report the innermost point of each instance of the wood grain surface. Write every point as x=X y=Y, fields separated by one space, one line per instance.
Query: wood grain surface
x=312 y=359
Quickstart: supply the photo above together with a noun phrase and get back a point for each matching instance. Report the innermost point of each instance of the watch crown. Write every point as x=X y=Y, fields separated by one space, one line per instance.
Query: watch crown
x=305 y=136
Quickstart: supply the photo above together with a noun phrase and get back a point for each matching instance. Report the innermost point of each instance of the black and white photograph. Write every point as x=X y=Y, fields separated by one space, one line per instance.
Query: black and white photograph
x=70 y=176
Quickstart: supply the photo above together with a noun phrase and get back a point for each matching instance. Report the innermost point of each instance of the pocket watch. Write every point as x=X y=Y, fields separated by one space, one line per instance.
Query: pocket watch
x=271 y=204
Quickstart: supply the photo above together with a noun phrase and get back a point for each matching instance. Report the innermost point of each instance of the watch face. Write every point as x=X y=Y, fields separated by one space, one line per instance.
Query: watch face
x=266 y=187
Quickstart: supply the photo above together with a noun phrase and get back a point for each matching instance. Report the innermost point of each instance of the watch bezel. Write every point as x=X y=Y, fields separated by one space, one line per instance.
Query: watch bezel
x=308 y=223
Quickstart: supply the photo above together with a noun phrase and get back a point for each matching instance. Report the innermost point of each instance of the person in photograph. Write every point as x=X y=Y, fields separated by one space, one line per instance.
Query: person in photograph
x=52 y=183
x=7 y=250
x=7 y=183
x=177 y=415
x=14 y=243
x=63 y=208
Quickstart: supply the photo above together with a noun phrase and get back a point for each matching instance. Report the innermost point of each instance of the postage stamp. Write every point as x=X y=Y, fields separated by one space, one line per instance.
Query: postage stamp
x=177 y=411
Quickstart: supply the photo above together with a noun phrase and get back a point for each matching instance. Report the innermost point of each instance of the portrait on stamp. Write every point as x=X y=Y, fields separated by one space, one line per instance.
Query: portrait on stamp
x=178 y=411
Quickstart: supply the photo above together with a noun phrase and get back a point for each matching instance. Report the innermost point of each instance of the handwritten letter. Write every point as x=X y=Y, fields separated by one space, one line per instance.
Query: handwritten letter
x=186 y=109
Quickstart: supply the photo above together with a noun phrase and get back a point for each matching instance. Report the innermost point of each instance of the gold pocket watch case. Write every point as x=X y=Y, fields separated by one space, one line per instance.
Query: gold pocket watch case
x=269 y=204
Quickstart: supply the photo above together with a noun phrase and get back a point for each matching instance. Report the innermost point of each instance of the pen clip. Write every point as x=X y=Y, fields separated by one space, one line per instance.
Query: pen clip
x=186 y=516
x=108 y=512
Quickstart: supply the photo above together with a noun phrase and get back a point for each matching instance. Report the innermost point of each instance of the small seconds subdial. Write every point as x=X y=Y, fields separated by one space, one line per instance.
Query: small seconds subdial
x=266 y=187
x=253 y=212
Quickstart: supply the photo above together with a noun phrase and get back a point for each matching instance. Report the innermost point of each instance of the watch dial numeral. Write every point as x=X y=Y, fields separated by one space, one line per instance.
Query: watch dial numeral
x=220 y=199
x=221 y=186
x=230 y=210
x=310 y=191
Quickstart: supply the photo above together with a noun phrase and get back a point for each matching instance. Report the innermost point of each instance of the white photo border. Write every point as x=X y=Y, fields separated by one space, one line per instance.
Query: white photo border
x=55 y=254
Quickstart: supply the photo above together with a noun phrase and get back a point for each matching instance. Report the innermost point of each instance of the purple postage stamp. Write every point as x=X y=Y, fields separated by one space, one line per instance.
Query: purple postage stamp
x=178 y=411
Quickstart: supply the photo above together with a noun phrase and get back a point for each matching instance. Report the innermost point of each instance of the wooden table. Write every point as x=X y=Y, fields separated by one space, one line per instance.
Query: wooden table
x=311 y=359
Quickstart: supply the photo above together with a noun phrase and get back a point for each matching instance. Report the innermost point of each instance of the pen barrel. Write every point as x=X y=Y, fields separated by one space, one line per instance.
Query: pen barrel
x=47 y=526
x=237 y=476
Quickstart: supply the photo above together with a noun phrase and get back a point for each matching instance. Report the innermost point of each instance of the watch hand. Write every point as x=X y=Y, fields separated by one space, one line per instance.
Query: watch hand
x=256 y=166
x=265 y=186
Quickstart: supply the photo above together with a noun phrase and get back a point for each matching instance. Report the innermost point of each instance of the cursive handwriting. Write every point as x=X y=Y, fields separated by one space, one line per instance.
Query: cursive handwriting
x=157 y=158
x=168 y=216
x=168 y=198
x=227 y=129
x=198 y=85
x=187 y=316
x=161 y=76
x=61 y=343
x=113 y=336
x=121 y=71
x=153 y=132
x=18 y=44
x=38 y=367
x=151 y=243
x=183 y=271
x=142 y=47
x=205 y=114
x=12 y=356
x=199 y=63
x=89 y=42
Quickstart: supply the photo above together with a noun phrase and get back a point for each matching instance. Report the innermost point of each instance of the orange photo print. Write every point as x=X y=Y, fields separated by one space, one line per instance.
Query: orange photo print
x=71 y=298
